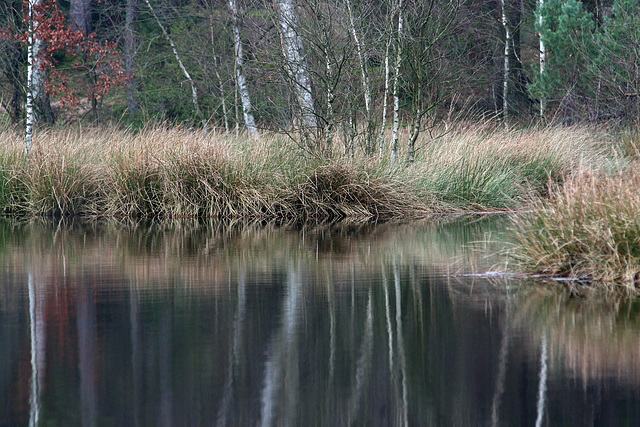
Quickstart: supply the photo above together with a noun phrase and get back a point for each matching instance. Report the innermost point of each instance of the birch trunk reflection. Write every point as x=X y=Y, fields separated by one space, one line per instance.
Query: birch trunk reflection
x=502 y=369
x=403 y=404
x=363 y=367
x=37 y=332
x=280 y=393
x=542 y=388
x=234 y=351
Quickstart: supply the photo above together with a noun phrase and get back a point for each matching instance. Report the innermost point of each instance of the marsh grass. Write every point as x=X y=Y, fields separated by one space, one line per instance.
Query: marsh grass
x=488 y=168
x=176 y=172
x=630 y=143
x=589 y=228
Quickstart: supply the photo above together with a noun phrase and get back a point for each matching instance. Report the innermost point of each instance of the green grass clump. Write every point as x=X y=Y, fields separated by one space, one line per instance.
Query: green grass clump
x=491 y=169
x=589 y=228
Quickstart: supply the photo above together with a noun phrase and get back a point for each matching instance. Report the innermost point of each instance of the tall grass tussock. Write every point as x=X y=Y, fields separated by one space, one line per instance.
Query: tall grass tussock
x=176 y=172
x=589 y=228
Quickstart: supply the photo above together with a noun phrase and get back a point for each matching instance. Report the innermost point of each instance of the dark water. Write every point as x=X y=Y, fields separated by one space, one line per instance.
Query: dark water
x=188 y=324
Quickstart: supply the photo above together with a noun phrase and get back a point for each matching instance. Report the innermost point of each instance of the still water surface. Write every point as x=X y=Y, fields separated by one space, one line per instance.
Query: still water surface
x=190 y=323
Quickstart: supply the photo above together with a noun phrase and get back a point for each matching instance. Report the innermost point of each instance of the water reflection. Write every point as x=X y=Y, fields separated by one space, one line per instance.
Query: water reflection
x=195 y=324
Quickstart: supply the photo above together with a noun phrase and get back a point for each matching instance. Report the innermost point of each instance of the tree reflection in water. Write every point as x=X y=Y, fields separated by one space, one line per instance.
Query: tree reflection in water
x=361 y=325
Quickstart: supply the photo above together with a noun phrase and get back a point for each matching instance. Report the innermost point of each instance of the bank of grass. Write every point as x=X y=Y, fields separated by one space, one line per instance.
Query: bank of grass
x=174 y=172
x=589 y=228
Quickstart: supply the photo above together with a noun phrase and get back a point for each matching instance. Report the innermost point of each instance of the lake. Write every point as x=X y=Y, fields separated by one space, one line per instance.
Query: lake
x=188 y=323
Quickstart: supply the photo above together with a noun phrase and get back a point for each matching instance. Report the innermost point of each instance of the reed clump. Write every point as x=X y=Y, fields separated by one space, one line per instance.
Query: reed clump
x=589 y=229
x=172 y=172
x=176 y=172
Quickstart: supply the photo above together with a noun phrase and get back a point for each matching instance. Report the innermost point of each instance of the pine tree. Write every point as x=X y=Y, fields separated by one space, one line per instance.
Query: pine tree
x=616 y=69
x=566 y=29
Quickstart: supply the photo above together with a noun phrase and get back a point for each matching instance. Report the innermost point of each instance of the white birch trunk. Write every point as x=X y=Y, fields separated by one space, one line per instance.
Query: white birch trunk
x=194 y=92
x=366 y=86
x=385 y=97
x=35 y=76
x=295 y=61
x=543 y=55
x=249 y=120
x=396 y=99
x=507 y=69
x=330 y=99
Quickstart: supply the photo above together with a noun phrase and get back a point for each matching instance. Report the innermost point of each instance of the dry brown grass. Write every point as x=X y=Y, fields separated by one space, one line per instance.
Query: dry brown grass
x=589 y=228
x=177 y=172
x=173 y=172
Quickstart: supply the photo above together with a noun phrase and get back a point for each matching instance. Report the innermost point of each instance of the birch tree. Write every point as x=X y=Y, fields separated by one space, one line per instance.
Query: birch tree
x=35 y=76
x=543 y=53
x=249 y=120
x=366 y=84
x=194 y=91
x=387 y=75
x=295 y=62
x=396 y=76
x=507 y=69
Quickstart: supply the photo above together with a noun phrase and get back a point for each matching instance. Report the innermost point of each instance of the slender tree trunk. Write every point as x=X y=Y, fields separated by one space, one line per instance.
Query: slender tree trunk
x=249 y=121
x=34 y=74
x=507 y=69
x=366 y=85
x=81 y=14
x=295 y=62
x=130 y=44
x=415 y=131
x=543 y=56
x=223 y=100
x=330 y=100
x=396 y=99
x=194 y=92
x=385 y=97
